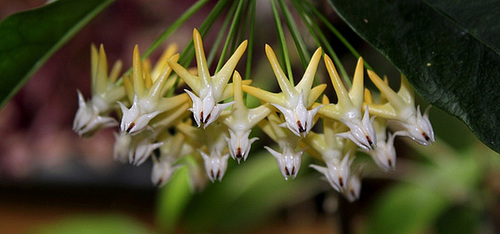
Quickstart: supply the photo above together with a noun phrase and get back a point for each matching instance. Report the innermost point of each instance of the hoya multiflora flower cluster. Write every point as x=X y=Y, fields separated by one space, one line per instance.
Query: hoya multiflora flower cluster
x=155 y=123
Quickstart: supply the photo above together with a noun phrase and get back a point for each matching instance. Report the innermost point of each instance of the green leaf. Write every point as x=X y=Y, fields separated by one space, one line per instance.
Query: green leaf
x=448 y=50
x=95 y=223
x=29 y=38
x=406 y=209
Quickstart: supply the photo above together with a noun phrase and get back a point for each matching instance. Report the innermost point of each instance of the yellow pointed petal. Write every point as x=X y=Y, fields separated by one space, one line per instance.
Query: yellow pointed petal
x=368 y=97
x=396 y=101
x=129 y=88
x=192 y=81
x=257 y=114
x=148 y=82
x=276 y=98
x=307 y=80
x=94 y=60
x=222 y=77
x=332 y=111
x=383 y=110
x=137 y=79
x=172 y=102
x=237 y=96
x=201 y=60
x=325 y=100
x=115 y=71
x=406 y=91
x=170 y=118
x=102 y=72
x=228 y=91
x=314 y=94
x=266 y=127
x=340 y=90
x=357 y=89
x=162 y=61
x=160 y=83
x=285 y=85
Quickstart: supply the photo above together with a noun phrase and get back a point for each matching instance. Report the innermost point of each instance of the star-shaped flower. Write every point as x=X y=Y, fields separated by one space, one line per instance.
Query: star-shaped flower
x=293 y=102
x=92 y=115
x=241 y=121
x=207 y=90
x=337 y=172
x=289 y=160
x=148 y=100
x=401 y=106
x=348 y=108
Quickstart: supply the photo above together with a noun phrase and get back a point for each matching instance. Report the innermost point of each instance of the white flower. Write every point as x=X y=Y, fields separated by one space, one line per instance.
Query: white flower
x=163 y=169
x=207 y=90
x=204 y=109
x=88 y=119
x=298 y=119
x=123 y=144
x=348 y=108
x=215 y=164
x=293 y=102
x=419 y=128
x=241 y=121
x=133 y=120
x=337 y=172
x=361 y=131
x=142 y=151
x=353 y=187
x=385 y=153
x=401 y=107
x=239 y=145
x=288 y=162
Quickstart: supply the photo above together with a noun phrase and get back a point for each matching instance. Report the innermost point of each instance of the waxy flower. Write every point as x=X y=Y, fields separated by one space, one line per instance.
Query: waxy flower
x=207 y=90
x=348 y=108
x=92 y=115
x=288 y=160
x=385 y=153
x=163 y=169
x=293 y=102
x=353 y=186
x=401 y=106
x=215 y=164
x=336 y=172
x=241 y=121
x=147 y=93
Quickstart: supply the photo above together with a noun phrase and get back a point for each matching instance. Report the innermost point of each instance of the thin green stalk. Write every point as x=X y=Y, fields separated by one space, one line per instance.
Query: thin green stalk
x=297 y=38
x=220 y=36
x=336 y=33
x=251 y=39
x=316 y=32
x=230 y=35
x=190 y=12
x=172 y=28
x=187 y=54
x=282 y=41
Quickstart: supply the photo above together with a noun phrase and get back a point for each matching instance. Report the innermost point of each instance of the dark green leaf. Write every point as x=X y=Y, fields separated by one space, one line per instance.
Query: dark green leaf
x=29 y=38
x=448 y=50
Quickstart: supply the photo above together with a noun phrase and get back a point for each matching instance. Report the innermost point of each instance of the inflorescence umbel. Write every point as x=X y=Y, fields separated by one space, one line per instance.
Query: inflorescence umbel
x=156 y=123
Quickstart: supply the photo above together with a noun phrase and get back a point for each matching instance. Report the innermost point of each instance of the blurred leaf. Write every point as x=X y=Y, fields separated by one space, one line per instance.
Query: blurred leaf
x=406 y=209
x=248 y=196
x=173 y=200
x=90 y=224
x=448 y=50
x=459 y=220
x=29 y=38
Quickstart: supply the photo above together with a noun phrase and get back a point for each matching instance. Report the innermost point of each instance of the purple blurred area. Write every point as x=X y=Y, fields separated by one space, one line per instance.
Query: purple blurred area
x=46 y=170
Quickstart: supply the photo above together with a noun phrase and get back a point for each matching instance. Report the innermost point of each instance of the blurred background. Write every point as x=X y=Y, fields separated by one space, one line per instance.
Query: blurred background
x=53 y=181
